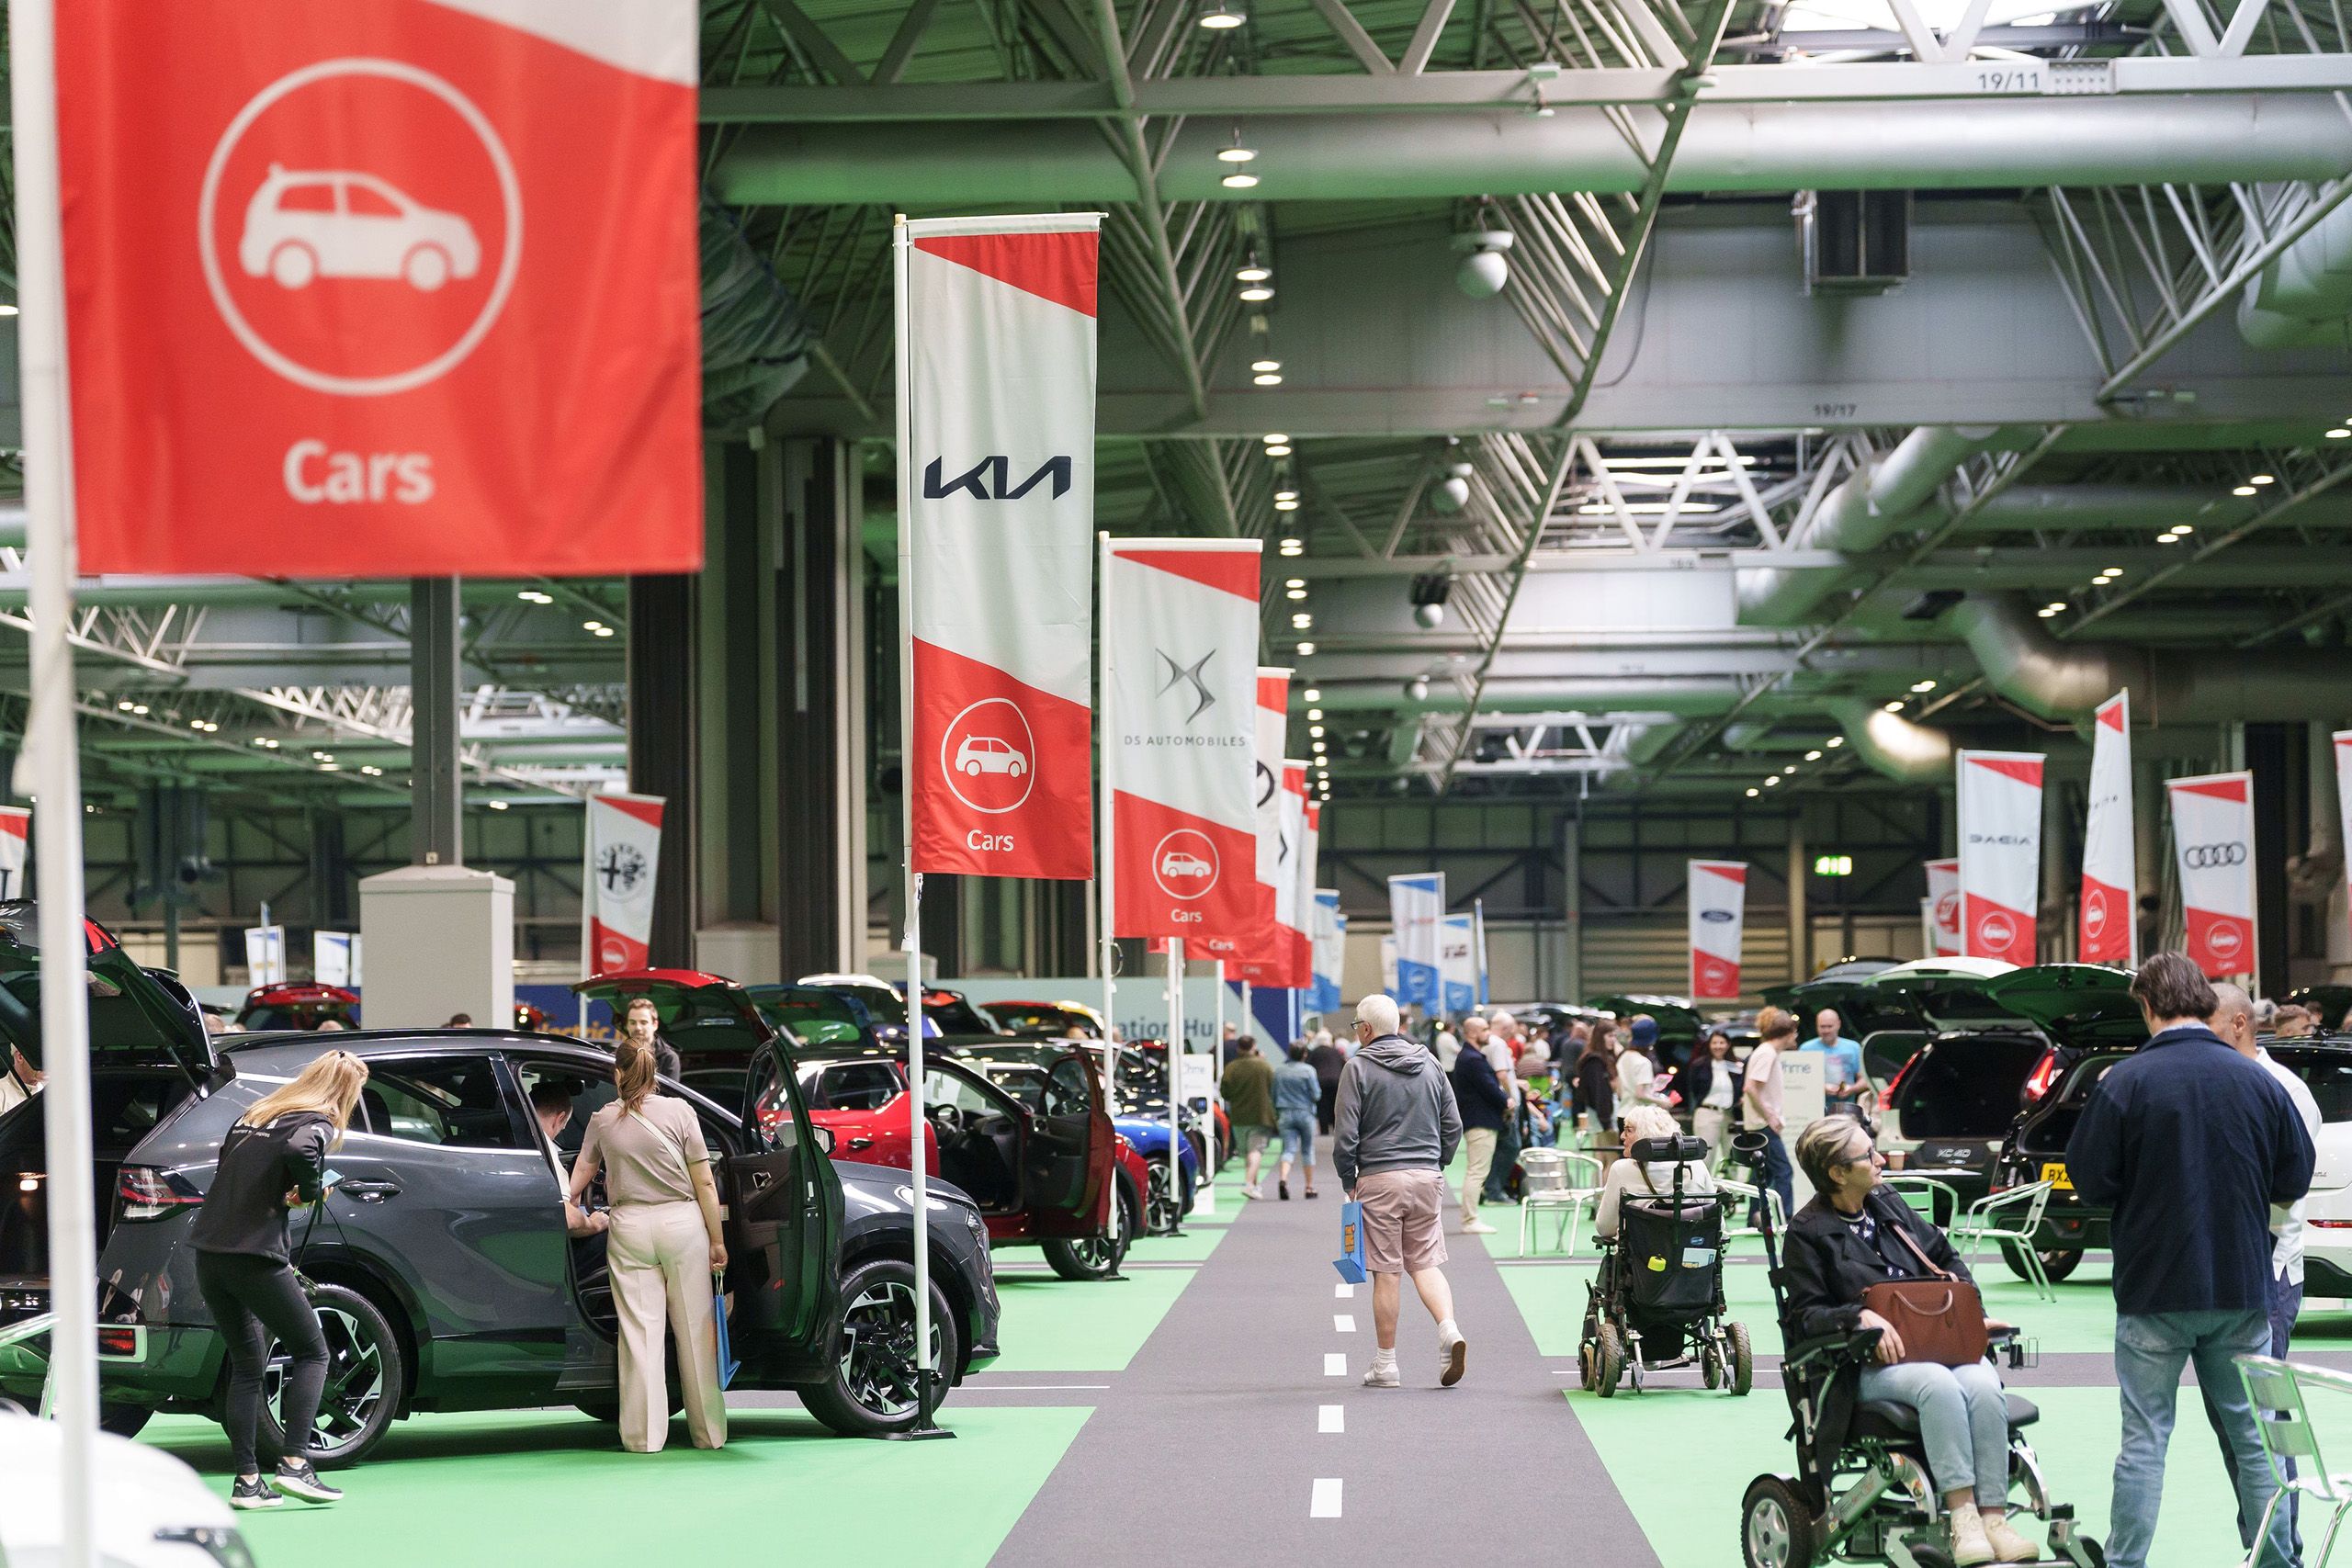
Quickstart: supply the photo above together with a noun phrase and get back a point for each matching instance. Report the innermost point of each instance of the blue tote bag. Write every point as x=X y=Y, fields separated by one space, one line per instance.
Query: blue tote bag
x=1350 y=1263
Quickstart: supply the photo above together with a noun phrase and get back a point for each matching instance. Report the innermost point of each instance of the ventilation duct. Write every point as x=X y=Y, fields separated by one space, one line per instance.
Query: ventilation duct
x=2303 y=297
x=1892 y=745
x=755 y=341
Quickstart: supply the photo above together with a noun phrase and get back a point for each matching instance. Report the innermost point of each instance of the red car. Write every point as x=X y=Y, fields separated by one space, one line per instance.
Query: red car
x=1039 y=1158
x=293 y=1004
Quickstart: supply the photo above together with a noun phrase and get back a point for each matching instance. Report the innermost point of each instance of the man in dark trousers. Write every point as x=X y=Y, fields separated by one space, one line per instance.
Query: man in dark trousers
x=2189 y=1145
x=1484 y=1105
x=1326 y=1057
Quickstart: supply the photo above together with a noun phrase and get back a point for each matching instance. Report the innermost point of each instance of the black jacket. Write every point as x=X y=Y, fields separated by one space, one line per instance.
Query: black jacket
x=1694 y=1078
x=1477 y=1091
x=1327 y=1061
x=2189 y=1144
x=1595 y=1091
x=245 y=1210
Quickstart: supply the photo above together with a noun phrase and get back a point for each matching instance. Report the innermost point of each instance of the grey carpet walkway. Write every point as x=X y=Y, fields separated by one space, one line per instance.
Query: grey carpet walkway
x=1209 y=1441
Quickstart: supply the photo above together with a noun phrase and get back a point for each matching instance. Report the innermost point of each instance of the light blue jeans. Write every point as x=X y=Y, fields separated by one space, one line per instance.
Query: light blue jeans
x=2150 y=1350
x=1964 y=1422
x=1297 y=1131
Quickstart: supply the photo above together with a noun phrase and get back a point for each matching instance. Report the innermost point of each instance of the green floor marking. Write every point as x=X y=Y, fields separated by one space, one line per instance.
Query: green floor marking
x=1053 y=1324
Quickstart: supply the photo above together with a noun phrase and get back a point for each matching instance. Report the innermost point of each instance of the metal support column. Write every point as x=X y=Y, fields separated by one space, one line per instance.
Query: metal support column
x=435 y=834
x=1799 y=923
x=2270 y=757
x=820 y=705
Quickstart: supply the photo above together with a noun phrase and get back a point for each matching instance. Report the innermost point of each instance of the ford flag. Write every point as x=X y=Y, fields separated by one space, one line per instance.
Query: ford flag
x=1718 y=894
x=1180 y=617
x=2212 y=835
x=1943 y=908
x=2001 y=853
x=392 y=289
x=2108 y=928
x=616 y=905
x=1415 y=905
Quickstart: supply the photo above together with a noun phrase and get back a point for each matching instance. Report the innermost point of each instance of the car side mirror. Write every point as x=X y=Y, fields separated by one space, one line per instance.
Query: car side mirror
x=824 y=1137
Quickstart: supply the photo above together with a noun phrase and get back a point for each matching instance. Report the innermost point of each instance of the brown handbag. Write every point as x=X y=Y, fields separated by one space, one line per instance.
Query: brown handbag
x=1941 y=1320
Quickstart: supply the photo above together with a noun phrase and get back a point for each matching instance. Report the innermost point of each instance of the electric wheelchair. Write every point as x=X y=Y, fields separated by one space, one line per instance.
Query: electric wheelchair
x=1870 y=1499
x=1657 y=1302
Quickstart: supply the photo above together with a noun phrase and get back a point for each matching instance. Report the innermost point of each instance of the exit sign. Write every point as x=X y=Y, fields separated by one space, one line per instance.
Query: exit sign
x=1833 y=865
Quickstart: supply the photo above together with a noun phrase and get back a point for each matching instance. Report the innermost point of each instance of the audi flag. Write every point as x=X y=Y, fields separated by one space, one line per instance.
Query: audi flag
x=2212 y=833
x=1416 y=904
x=2001 y=853
x=623 y=856
x=392 y=289
x=996 y=480
x=1180 y=621
x=1943 y=908
x=1718 y=893
x=2107 y=927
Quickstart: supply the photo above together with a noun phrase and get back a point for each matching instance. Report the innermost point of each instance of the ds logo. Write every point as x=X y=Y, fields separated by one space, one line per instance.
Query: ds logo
x=988 y=479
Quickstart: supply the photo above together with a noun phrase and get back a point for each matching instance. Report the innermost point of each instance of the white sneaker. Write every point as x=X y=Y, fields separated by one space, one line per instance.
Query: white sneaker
x=1453 y=1352
x=2007 y=1545
x=1968 y=1547
x=1383 y=1376
x=1476 y=1228
x=1251 y=1193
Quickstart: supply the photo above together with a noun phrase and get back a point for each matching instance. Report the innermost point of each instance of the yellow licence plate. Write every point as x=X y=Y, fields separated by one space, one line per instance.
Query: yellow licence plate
x=2054 y=1173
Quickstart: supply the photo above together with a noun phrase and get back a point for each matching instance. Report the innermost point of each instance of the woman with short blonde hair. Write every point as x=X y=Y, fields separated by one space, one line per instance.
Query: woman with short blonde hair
x=1654 y=1178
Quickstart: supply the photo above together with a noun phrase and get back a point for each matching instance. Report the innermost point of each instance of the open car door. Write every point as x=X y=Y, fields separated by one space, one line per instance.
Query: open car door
x=1070 y=1150
x=783 y=1218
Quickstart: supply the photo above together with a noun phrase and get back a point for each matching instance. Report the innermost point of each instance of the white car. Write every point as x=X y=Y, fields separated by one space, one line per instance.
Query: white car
x=2325 y=1066
x=986 y=754
x=303 y=224
x=1176 y=864
x=153 y=1510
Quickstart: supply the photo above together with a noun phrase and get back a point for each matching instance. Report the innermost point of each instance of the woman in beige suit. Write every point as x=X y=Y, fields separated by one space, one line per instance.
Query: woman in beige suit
x=664 y=1249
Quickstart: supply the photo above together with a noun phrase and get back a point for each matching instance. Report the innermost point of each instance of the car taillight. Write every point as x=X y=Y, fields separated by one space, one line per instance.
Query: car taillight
x=2330 y=1225
x=1895 y=1089
x=147 y=1193
x=2037 y=1082
x=120 y=1341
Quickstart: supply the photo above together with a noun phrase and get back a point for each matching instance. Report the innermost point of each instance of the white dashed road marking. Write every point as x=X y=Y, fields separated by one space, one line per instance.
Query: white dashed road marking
x=1335 y=1364
x=1343 y=1323
x=1331 y=1419
x=1343 y=1291
x=1326 y=1502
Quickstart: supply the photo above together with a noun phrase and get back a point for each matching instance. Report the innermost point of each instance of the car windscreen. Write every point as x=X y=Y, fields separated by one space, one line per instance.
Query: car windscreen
x=1966 y=1087
x=795 y=1007
x=2326 y=1072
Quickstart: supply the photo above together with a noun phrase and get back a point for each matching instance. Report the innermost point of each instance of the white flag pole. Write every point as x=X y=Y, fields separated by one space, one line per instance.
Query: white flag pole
x=1208 y=1100
x=1106 y=875
x=1175 y=1080
x=49 y=769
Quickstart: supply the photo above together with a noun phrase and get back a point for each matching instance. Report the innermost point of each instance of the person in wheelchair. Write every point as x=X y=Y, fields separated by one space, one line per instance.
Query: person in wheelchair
x=1852 y=1235
x=1657 y=1303
x=1654 y=1178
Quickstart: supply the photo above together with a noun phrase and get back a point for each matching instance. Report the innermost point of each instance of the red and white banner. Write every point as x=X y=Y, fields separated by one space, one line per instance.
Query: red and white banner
x=1180 y=617
x=617 y=901
x=1302 y=907
x=2344 y=794
x=2212 y=835
x=996 y=481
x=2001 y=853
x=383 y=287
x=1718 y=894
x=15 y=840
x=1291 y=951
x=2109 y=926
x=1246 y=949
x=1943 y=908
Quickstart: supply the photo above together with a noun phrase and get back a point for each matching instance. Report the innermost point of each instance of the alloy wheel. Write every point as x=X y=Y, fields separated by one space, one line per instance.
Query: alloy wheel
x=355 y=1382
x=1768 y=1533
x=1159 y=1210
x=877 y=1353
x=1104 y=1250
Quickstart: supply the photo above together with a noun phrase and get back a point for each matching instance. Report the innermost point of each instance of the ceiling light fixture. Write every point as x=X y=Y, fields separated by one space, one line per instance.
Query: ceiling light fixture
x=1253 y=271
x=1770 y=781
x=1272 y=451
x=1240 y=180
x=1275 y=438
x=1314 y=732
x=497 y=806
x=1306 y=650
x=1834 y=742
x=1894 y=708
x=1809 y=756
x=1235 y=152
x=1294 y=593
x=532 y=596
x=1752 y=791
x=1923 y=686
x=1294 y=582
x=1269 y=379
x=2243 y=490
x=1255 y=293
x=2263 y=479
x=1223 y=15
x=1285 y=495
x=1314 y=694
x=1262 y=366
x=1291 y=505
x=2339 y=434
x=1315 y=713
x=1484 y=269
x=1302 y=620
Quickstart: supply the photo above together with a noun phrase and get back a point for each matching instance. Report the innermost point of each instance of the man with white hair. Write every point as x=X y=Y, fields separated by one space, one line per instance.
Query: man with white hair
x=1397 y=1129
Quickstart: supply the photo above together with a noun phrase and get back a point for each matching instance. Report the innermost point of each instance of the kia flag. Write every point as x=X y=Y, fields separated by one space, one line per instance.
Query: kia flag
x=15 y=839
x=383 y=287
x=2343 y=793
x=1416 y=905
x=2108 y=928
x=2212 y=835
x=2001 y=853
x=996 y=483
x=624 y=857
x=1330 y=944
x=1180 y=619
x=1718 y=893
x=1943 y=908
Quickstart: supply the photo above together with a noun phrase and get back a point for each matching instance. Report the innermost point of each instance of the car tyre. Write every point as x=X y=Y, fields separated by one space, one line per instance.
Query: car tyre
x=293 y=266
x=425 y=268
x=1777 y=1529
x=1093 y=1257
x=367 y=1380
x=2057 y=1262
x=871 y=1391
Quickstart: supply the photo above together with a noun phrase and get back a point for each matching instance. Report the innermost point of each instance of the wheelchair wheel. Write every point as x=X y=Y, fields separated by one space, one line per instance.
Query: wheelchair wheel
x=1776 y=1528
x=1608 y=1361
x=1743 y=1359
x=1711 y=1364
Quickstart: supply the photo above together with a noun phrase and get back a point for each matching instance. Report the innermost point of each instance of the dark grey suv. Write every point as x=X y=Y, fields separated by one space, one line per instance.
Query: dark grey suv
x=446 y=1282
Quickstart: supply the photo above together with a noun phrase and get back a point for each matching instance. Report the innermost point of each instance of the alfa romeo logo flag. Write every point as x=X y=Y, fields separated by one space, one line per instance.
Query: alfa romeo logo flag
x=2212 y=833
x=1181 y=616
x=1943 y=908
x=2108 y=926
x=996 y=457
x=617 y=907
x=2001 y=853
x=401 y=288
x=1718 y=894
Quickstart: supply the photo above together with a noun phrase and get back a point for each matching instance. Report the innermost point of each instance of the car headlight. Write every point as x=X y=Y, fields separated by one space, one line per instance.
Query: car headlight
x=978 y=1227
x=222 y=1544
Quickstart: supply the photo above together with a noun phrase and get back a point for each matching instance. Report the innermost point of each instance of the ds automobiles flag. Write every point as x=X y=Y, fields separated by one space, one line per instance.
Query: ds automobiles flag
x=1180 y=617
x=2109 y=930
x=15 y=839
x=1943 y=908
x=1718 y=895
x=1416 y=904
x=2001 y=853
x=996 y=478
x=383 y=287
x=2212 y=835
x=617 y=903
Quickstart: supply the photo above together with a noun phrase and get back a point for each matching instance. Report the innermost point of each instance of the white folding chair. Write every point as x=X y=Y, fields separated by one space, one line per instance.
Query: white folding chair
x=2013 y=1218
x=2275 y=1389
x=1749 y=1192
x=1547 y=1188
x=1911 y=1186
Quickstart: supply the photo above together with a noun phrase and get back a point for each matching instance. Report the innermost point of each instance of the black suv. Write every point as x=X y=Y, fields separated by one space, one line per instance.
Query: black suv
x=447 y=1280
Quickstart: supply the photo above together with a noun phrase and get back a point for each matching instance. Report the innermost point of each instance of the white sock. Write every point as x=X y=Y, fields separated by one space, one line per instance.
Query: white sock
x=1447 y=1330
x=1381 y=1358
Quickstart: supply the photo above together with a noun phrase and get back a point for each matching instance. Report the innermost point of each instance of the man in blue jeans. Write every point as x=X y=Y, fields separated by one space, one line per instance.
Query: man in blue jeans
x=2189 y=1145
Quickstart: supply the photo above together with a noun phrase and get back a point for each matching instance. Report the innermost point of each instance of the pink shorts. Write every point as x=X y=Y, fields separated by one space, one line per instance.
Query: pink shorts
x=1404 y=1230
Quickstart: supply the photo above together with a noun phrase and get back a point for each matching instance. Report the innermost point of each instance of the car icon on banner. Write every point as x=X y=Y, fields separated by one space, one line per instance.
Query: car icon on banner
x=1177 y=863
x=305 y=224
x=986 y=754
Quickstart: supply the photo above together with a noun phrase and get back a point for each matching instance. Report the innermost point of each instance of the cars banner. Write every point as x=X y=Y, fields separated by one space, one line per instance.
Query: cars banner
x=624 y=852
x=15 y=841
x=1416 y=903
x=996 y=481
x=1179 y=628
x=397 y=290
x=1330 y=943
x=1718 y=896
x=1457 y=965
x=2109 y=929
x=1249 y=951
x=1943 y=908
x=2001 y=853
x=2212 y=835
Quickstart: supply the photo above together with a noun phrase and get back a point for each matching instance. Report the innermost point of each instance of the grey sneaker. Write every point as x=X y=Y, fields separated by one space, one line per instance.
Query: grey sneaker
x=1452 y=1353
x=297 y=1479
x=1383 y=1376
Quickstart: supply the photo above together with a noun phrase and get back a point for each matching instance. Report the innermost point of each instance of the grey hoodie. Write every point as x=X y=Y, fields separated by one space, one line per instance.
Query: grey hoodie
x=1395 y=1111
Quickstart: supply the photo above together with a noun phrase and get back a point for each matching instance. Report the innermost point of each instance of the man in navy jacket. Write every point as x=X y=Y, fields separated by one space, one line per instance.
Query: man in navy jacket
x=1484 y=1104
x=2188 y=1144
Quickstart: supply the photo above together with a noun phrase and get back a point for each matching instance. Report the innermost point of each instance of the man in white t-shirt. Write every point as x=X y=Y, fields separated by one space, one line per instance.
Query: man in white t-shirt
x=1760 y=1095
x=20 y=1082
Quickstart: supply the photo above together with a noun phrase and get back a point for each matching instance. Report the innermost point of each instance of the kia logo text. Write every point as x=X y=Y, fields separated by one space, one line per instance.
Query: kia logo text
x=988 y=479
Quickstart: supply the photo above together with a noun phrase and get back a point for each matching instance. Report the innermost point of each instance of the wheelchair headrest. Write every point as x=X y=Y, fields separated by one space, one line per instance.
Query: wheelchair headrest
x=1668 y=1151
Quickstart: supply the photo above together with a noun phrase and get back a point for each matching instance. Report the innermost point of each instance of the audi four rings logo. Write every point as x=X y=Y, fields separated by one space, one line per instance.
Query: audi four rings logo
x=2212 y=857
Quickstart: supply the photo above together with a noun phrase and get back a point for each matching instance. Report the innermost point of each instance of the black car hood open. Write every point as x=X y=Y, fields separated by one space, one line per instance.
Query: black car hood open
x=710 y=1020
x=2077 y=1005
x=138 y=1017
